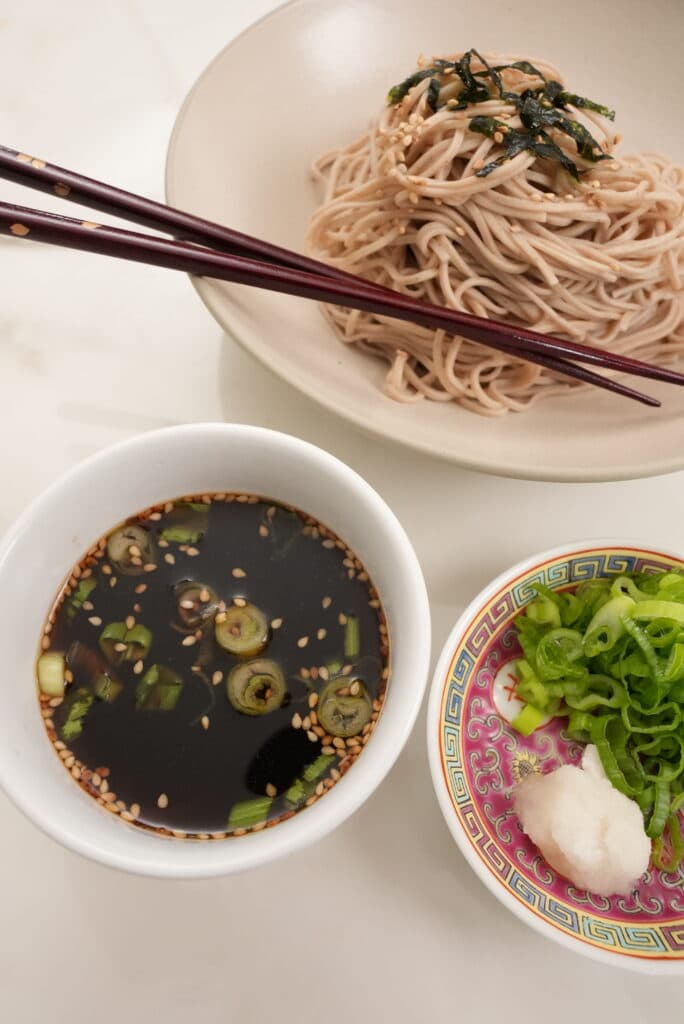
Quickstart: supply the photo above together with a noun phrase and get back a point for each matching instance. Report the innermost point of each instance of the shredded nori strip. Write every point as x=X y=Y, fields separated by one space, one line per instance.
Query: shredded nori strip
x=433 y=94
x=541 y=109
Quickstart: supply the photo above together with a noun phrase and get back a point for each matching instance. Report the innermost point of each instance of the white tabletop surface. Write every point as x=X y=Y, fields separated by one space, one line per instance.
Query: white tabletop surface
x=383 y=920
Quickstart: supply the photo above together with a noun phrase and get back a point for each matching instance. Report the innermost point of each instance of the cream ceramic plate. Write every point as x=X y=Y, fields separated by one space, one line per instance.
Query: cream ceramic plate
x=310 y=76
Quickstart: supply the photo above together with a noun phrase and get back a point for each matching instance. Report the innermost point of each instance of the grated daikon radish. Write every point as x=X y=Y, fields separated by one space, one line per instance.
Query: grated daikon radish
x=585 y=828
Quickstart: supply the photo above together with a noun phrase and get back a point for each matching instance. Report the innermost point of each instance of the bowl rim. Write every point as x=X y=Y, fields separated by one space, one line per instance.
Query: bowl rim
x=271 y=843
x=436 y=690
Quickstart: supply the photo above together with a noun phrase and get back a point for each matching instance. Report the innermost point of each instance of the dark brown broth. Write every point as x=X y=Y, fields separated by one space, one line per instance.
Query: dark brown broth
x=204 y=756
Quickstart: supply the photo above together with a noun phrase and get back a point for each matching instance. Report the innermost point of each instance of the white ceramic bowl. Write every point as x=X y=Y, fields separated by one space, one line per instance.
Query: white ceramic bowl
x=58 y=527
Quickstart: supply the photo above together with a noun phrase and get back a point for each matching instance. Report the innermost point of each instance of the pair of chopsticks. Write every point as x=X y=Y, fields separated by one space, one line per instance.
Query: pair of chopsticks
x=212 y=250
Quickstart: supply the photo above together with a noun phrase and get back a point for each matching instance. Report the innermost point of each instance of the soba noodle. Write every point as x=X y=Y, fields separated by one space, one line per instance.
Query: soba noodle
x=599 y=260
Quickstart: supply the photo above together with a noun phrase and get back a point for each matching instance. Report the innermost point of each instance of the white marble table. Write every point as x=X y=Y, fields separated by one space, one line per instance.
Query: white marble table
x=382 y=920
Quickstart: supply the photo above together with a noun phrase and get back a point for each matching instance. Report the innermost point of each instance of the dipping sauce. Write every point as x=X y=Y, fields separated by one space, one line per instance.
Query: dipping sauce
x=213 y=666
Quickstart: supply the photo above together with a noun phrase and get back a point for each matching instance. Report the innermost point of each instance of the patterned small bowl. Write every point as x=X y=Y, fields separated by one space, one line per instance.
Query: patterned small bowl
x=476 y=759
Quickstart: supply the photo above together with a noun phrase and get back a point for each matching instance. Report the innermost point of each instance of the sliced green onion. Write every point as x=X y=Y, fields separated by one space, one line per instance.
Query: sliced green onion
x=528 y=719
x=544 y=612
x=674 y=832
x=559 y=653
x=243 y=631
x=318 y=767
x=595 y=692
x=673 y=670
x=672 y=610
x=118 y=643
x=158 y=690
x=80 y=594
x=599 y=737
x=606 y=626
x=530 y=688
x=249 y=812
x=107 y=688
x=579 y=726
x=51 y=679
x=181 y=535
x=624 y=586
x=298 y=792
x=186 y=523
x=139 y=640
x=256 y=687
x=79 y=706
x=661 y=808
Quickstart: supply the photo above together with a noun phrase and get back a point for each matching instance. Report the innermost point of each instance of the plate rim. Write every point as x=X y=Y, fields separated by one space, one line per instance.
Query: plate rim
x=548 y=472
x=613 y=958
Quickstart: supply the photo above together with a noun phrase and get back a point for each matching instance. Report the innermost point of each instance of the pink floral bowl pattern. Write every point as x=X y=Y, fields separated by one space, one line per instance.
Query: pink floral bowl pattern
x=477 y=759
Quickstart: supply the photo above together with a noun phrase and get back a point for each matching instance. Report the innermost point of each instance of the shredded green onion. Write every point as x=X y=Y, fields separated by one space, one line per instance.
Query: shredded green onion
x=610 y=658
x=352 y=638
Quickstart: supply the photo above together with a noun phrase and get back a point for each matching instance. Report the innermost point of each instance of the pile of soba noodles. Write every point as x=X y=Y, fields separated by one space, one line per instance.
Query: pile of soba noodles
x=485 y=186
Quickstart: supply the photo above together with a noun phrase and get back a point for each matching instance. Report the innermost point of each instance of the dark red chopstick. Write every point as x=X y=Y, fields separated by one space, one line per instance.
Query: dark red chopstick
x=86 y=236
x=36 y=173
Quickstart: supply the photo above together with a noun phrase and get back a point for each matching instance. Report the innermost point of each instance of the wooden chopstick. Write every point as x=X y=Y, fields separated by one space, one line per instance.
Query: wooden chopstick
x=87 y=236
x=36 y=173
